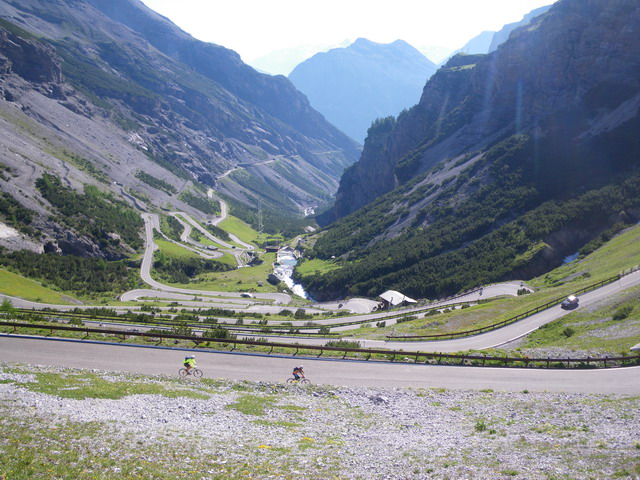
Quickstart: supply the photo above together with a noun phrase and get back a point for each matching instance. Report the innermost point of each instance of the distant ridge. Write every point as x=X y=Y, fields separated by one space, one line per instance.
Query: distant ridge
x=488 y=41
x=353 y=86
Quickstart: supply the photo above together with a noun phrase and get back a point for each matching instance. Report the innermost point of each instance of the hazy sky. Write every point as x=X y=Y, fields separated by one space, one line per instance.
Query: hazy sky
x=254 y=28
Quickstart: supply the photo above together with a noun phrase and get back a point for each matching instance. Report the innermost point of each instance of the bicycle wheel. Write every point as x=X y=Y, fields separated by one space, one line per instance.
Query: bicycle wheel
x=183 y=372
x=291 y=380
x=197 y=373
x=305 y=381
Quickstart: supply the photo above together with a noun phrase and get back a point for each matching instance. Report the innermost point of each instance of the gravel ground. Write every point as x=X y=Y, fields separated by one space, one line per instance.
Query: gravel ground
x=349 y=433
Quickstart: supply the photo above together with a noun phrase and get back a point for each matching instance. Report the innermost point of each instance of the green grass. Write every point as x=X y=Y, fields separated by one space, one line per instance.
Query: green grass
x=173 y=250
x=199 y=237
x=241 y=279
x=240 y=229
x=253 y=404
x=315 y=266
x=595 y=330
x=620 y=253
x=19 y=286
x=81 y=385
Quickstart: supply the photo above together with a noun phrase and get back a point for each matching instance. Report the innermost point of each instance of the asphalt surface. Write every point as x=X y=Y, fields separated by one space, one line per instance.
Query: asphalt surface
x=511 y=332
x=164 y=361
x=150 y=360
x=151 y=222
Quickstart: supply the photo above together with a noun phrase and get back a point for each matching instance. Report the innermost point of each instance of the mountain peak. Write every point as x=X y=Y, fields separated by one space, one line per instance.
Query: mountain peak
x=354 y=86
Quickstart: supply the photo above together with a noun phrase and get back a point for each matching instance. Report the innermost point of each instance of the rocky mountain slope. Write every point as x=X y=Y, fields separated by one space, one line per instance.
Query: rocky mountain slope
x=502 y=35
x=353 y=86
x=508 y=162
x=489 y=41
x=114 y=95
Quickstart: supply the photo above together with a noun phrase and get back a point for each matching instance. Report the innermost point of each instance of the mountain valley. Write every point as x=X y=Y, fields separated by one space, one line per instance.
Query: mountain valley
x=509 y=162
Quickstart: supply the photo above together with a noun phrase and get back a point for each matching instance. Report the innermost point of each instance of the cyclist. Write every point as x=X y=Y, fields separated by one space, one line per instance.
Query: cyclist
x=189 y=363
x=298 y=372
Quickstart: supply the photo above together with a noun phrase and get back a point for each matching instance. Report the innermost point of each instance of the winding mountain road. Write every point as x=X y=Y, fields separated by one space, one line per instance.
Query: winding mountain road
x=148 y=360
x=162 y=360
x=150 y=222
x=511 y=332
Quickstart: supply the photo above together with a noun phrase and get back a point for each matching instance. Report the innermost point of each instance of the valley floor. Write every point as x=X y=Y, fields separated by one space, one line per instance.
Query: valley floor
x=61 y=423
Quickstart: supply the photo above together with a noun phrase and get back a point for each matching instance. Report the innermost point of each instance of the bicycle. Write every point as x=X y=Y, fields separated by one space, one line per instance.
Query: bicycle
x=196 y=372
x=302 y=381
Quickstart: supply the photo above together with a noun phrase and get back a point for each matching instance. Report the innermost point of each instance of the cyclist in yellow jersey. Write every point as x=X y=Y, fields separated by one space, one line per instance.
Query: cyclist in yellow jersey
x=189 y=363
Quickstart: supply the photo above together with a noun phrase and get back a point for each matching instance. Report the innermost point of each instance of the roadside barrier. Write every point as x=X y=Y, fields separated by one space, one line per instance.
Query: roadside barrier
x=152 y=321
x=359 y=354
x=520 y=316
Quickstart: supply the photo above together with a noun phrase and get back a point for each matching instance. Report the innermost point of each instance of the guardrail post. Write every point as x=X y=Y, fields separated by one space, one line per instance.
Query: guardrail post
x=321 y=352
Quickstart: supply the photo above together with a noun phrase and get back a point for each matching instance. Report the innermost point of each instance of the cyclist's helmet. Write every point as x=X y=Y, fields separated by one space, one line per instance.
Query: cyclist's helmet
x=301 y=367
x=191 y=356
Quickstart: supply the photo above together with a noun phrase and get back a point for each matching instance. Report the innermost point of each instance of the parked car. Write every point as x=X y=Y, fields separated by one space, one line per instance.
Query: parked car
x=570 y=303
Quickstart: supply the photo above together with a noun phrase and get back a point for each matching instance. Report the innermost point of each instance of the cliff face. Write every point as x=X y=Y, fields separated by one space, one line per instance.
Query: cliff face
x=31 y=60
x=579 y=62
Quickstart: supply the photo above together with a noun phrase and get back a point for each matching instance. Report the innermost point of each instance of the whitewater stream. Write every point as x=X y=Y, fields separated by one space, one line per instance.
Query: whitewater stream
x=285 y=263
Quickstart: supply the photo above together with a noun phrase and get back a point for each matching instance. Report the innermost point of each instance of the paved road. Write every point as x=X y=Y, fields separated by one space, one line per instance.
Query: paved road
x=330 y=372
x=510 y=332
x=188 y=223
x=248 y=367
x=223 y=215
x=147 y=260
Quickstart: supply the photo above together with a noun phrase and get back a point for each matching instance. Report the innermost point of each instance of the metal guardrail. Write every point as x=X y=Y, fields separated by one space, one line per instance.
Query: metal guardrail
x=520 y=316
x=389 y=355
x=153 y=321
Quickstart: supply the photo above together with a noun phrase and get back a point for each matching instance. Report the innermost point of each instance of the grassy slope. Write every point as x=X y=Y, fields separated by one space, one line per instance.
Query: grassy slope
x=316 y=265
x=239 y=280
x=597 y=329
x=620 y=253
x=19 y=286
x=240 y=229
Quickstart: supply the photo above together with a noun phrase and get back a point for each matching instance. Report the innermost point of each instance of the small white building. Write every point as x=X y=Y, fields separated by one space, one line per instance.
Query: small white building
x=391 y=298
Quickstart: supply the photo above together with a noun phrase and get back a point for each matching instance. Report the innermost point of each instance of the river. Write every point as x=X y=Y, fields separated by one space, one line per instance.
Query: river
x=285 y=263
